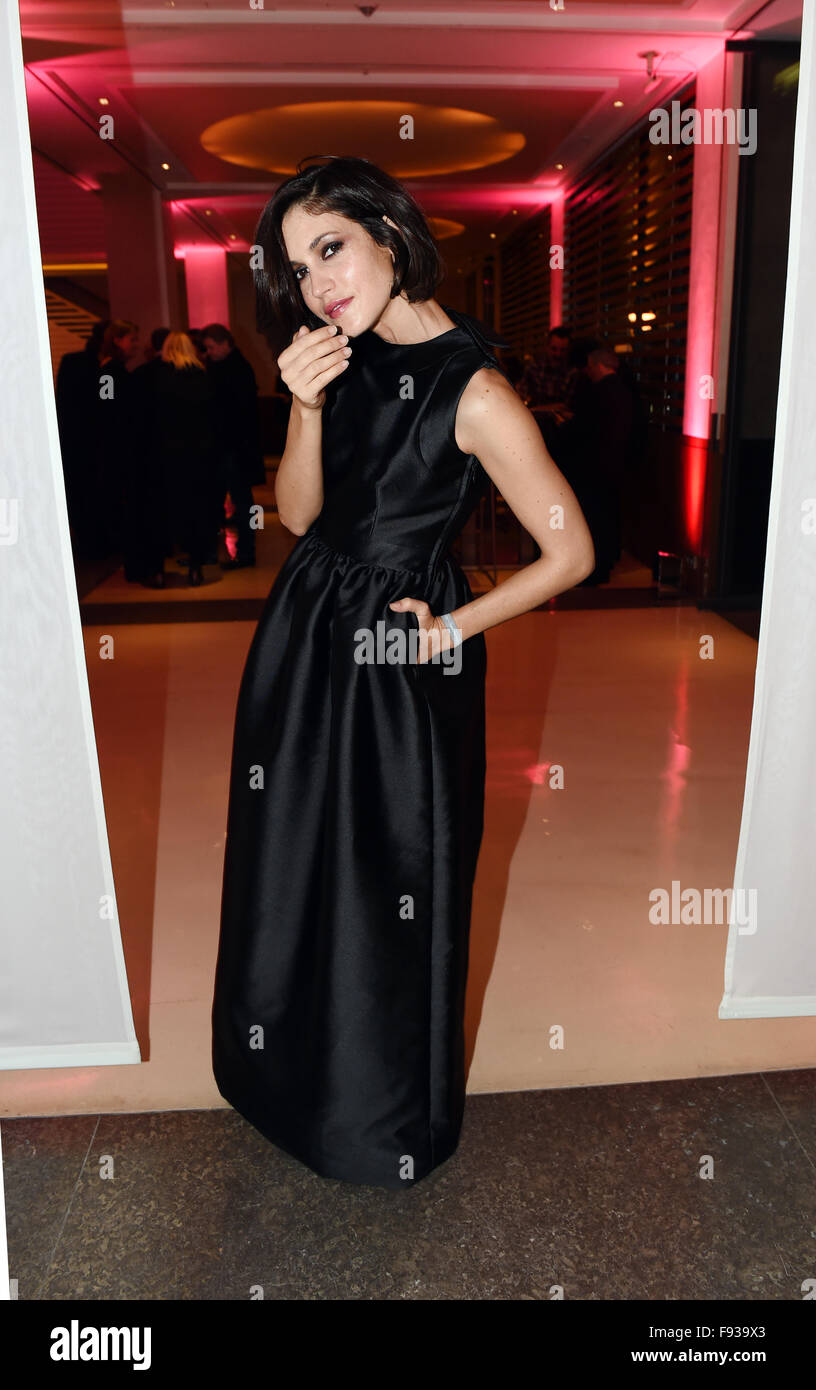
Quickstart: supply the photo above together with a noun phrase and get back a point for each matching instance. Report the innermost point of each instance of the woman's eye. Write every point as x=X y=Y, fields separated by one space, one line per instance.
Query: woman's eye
x=330 y=246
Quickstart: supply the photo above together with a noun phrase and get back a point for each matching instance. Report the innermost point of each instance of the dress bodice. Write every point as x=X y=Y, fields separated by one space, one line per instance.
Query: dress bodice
x=397 y=487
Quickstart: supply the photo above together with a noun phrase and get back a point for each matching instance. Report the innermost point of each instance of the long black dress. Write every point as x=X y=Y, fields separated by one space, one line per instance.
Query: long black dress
x=357 y=795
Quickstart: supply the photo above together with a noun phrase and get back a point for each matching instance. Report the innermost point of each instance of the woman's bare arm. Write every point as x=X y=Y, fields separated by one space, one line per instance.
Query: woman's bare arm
x=312 y=360
x=493 y=424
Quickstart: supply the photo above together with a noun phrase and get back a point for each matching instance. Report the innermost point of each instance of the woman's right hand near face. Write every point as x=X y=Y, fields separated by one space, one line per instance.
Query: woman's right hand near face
x=313 y=359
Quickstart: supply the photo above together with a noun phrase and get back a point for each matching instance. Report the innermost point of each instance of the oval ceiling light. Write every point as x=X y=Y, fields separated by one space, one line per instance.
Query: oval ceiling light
x=442 y=228
x=447 y=139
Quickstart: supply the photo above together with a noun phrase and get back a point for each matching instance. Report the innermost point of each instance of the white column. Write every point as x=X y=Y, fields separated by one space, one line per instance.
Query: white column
x=63 y=988
x=770 y=965
x=205 y=274
x=142 y=284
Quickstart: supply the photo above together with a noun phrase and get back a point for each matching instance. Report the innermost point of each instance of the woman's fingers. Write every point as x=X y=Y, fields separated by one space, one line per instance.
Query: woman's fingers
x=316 y=383
x=307 y=346
x=412 y=605
x=313 y=359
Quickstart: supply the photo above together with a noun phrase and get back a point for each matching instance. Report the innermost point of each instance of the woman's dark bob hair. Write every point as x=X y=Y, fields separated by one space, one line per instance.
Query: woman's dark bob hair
x=360 y=191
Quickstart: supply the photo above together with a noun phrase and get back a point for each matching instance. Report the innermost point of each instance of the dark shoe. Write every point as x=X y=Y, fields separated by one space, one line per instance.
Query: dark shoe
x=196 y=577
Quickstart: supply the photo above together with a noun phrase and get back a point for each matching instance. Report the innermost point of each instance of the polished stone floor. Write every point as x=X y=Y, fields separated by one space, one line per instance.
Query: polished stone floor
x=674 y=1190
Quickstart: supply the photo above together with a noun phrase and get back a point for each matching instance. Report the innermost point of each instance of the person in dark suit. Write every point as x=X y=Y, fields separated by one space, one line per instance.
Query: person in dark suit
x=594 y=449
x=548 y=378
x=184 y=445
x=238 y=434
x=606 y=424
x=152 y=538
x=76 y=395
x=115 y=444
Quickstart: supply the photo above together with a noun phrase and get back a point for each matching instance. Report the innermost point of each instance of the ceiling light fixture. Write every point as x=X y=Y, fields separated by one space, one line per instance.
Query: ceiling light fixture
x=650 y=54
x=652 y=79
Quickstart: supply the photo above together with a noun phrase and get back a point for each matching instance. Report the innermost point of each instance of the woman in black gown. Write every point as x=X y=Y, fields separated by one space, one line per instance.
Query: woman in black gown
x=357 y=781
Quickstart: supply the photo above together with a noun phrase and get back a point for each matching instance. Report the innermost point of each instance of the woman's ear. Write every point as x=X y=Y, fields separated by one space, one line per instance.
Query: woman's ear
x=396 y=229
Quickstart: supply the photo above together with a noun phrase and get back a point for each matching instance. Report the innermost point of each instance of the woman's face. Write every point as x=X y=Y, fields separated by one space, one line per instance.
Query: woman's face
x=127 y=344
x=337 y=263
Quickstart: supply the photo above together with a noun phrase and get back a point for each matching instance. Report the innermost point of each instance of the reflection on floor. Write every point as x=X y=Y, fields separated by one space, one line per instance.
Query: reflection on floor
x=652 y=742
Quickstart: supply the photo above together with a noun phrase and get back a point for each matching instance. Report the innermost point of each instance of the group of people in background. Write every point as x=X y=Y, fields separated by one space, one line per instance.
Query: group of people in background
x=150 y=454
x=593 y=421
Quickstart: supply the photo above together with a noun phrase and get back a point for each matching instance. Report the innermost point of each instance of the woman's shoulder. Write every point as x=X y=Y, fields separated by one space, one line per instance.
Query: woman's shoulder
x=478 y=338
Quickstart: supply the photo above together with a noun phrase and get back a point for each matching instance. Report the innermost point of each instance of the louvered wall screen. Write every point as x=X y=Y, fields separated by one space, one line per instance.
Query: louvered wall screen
x=525 y=285
x=628 y=237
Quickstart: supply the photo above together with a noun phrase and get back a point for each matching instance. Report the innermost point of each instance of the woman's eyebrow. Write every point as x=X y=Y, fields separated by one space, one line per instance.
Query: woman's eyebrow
x=313 y=244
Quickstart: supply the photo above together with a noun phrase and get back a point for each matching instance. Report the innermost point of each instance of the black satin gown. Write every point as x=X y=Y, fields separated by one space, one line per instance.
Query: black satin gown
x=357 y=794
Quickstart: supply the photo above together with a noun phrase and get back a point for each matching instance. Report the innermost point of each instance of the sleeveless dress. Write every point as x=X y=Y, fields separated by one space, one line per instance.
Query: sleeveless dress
x=356 y=794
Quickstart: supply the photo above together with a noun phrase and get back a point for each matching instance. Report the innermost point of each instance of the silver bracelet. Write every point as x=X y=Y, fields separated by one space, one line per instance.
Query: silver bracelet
x=455 y=632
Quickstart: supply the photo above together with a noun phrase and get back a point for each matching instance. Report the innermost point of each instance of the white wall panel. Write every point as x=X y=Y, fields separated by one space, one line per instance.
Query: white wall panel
x=63 y=989
x=771 y=971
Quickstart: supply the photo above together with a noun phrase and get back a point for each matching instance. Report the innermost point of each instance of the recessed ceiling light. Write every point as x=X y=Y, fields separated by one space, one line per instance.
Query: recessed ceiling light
x=165 y=166
x=617 y=103
x=208 y=212
x=559 y=166
x=103 y=101
x=492 y=236
x=233 y=236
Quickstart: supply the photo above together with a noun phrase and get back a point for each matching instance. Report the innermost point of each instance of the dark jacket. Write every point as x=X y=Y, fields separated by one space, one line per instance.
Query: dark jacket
x=76 y=393
x=235 y=393
x=182 y=417
x=595 y=445
x=612 y=420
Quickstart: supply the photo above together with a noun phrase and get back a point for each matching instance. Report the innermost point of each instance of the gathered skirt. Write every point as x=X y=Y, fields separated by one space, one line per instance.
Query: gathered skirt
x=354 y=823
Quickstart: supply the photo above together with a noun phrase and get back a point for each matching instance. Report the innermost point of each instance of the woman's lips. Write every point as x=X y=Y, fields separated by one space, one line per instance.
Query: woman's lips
x=338 y=308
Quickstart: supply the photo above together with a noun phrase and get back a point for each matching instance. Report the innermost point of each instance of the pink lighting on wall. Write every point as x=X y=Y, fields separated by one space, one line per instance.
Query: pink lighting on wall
x=556 y=276
x=695 y=454
x=205 y=273
x=703 y=303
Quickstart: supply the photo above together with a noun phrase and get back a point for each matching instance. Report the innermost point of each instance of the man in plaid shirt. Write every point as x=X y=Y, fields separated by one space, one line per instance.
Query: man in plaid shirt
x=549 y=379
